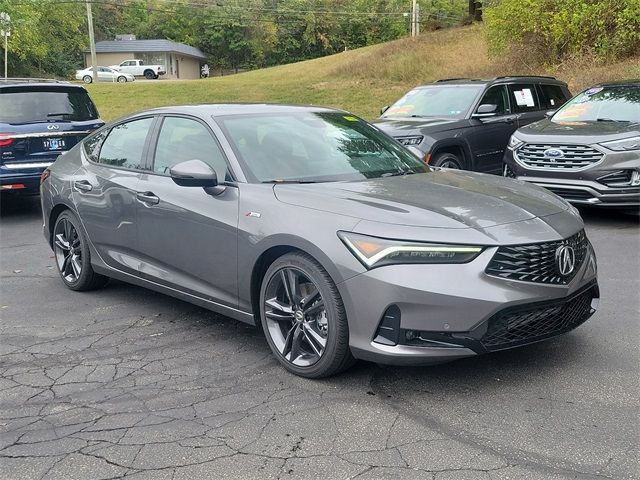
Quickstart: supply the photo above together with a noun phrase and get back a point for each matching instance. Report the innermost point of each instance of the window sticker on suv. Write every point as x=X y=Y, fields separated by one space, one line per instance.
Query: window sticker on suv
x=524 y=97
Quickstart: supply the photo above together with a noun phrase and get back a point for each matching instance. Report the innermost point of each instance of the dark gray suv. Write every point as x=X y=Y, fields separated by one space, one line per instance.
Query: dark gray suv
x=588 y=151
x=465 y=123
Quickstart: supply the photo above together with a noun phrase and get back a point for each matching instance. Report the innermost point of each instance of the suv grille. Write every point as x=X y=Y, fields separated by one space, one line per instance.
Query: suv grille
x=574 y=157
x=519 y=325
x=537 y=262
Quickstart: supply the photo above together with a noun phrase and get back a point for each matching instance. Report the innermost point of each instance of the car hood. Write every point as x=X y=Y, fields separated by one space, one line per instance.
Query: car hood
x=438 y=199
x=398 y=127
x=583 y=132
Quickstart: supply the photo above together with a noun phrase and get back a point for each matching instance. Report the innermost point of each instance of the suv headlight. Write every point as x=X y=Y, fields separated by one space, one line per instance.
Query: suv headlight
x=514 y=142
x=376 y=252
x=632 y=143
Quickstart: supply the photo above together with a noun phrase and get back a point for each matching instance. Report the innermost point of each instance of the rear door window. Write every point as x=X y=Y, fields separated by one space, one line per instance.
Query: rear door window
x=21 y=105
x=552 y=96
x=524 y=97
x=124 y=145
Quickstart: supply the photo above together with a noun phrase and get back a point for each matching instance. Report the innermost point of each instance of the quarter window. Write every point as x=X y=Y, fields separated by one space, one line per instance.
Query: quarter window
x=524 y=98
x=124 y=146
x=553 y=96
x=183 y=139
x=497 y=96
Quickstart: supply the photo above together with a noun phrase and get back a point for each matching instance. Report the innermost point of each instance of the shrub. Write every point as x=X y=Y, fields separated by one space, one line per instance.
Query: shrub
x=550 y=31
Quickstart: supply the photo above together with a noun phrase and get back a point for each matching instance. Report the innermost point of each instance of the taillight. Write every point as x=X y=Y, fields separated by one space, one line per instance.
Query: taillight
x=45 y=175
x=6 y=139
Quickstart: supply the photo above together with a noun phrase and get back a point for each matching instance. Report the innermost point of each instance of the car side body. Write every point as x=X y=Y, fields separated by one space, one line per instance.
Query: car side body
x=470 y=135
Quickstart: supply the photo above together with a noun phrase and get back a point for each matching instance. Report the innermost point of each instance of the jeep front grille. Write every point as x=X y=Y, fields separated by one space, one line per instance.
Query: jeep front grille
x=574 y=157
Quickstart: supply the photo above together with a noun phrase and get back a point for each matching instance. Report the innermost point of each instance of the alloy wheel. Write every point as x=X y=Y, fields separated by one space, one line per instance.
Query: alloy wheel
x=296 y=316
x=450 y=164
x=68 y=250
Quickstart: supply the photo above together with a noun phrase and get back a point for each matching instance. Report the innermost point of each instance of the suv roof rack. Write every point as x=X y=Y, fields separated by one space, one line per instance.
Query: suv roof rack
x=31 y=80
x=452 y=79
x=526 y=76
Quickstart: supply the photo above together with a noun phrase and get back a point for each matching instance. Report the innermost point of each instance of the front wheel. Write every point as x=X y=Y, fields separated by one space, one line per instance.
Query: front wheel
x=122 y=79
x=72 y=255
x=87 y=79
x=447 y=160
x=303 y=317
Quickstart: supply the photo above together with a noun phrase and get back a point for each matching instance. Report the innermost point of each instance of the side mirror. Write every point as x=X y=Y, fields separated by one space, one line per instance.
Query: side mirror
x=384 y=109
x=549 y=113
x=193 y=173
x=485 y=110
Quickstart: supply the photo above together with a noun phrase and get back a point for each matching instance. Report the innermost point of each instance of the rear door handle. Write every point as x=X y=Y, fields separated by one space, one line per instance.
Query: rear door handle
x=148 y=197
x=82 y=186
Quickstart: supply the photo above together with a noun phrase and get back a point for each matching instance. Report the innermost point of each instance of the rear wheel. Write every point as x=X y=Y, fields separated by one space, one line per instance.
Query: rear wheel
x=303 y=317
x=447 y=160
x=72 y=255
x=87 y=79
x=149 y=75
x=122 y=79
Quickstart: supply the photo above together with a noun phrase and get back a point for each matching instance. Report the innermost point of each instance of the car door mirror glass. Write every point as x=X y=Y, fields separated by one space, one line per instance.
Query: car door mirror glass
x=194 y=173
x=486 y=110
x=549 y=113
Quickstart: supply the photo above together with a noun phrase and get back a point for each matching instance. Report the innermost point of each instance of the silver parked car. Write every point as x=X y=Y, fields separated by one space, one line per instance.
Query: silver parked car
x=316 y=226
x=105 y=74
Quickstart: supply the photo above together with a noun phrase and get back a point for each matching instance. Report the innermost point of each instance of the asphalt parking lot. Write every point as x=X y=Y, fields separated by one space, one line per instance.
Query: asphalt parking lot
x=125 y=382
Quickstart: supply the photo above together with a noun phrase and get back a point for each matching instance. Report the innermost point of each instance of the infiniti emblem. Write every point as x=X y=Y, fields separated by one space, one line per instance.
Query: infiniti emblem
x=565 y=259
x=53 y=127
x=553 y=153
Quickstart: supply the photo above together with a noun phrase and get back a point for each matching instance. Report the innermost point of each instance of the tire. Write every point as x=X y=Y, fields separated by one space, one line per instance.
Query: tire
x=87 y=79
x=74 y=244
x=122 y=79
x=447 y=160
x=149 y=75
x=323 y=318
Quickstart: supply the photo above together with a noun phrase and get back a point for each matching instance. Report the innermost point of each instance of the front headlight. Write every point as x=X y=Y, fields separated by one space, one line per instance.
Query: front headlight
x=408 y=141
x=376 y=252
x=514 y=142
x=632 y=143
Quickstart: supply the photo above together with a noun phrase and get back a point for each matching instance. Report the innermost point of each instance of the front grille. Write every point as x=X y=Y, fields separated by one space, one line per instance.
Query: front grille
x=571 y=193
x=537 y=262
x=519 y=325
x=574 y=157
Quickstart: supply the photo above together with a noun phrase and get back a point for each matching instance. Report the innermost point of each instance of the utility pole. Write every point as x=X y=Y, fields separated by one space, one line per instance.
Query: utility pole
x=414 y=4
x=5 y=31
x=417 y=19
x=92 y=42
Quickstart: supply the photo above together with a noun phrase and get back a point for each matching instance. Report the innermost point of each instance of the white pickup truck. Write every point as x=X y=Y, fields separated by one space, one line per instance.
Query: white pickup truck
x=139 y=69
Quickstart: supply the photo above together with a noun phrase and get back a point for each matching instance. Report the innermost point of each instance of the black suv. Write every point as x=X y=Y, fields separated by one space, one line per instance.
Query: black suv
x=39 y=120
x=466 y=123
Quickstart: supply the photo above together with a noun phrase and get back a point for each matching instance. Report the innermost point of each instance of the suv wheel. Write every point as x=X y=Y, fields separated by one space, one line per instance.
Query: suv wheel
x=303 y=317
x=87 y=79
x=447 y=160
x=72 y=255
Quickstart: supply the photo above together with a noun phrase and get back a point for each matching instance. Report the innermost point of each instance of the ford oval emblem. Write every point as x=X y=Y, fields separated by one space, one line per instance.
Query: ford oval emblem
x=553 y=153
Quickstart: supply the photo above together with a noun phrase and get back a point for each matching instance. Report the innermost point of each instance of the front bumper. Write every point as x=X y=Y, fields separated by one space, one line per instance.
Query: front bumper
x=584 y=187
x=448 y=312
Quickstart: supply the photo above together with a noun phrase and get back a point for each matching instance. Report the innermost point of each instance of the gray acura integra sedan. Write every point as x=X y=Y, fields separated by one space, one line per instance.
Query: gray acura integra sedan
x=314 y=225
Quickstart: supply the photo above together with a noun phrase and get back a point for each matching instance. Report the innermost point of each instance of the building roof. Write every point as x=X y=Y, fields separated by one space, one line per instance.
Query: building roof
x=145 y=46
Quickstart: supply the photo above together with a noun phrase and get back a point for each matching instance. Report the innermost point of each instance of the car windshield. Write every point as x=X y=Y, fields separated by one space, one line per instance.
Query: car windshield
x=29 y=104
x=315 y=147
x=435 y=101
x=615 y=103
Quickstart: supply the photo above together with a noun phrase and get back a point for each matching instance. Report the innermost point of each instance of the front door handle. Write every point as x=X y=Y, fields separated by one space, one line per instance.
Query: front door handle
x=148 y=197
x=82 y=186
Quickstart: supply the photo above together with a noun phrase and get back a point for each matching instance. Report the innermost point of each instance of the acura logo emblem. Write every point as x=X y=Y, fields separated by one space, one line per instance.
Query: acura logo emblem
x=53 y=127
x=565 y=259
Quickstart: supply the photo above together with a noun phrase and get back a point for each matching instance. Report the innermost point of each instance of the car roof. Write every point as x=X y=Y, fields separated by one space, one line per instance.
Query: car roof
x=37 y=82
x=497 y=80
x=619 y=83
x=223 y=109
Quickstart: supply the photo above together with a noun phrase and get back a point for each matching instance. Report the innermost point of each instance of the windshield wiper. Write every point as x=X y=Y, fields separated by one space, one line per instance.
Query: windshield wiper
x=61 y=114
x=300 y=180
x=400 y=173
x=611 y=120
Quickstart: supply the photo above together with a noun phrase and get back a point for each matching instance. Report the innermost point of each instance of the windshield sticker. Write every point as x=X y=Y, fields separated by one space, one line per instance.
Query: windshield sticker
x=593 y=91
x=524 y=98
x=350 y=118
